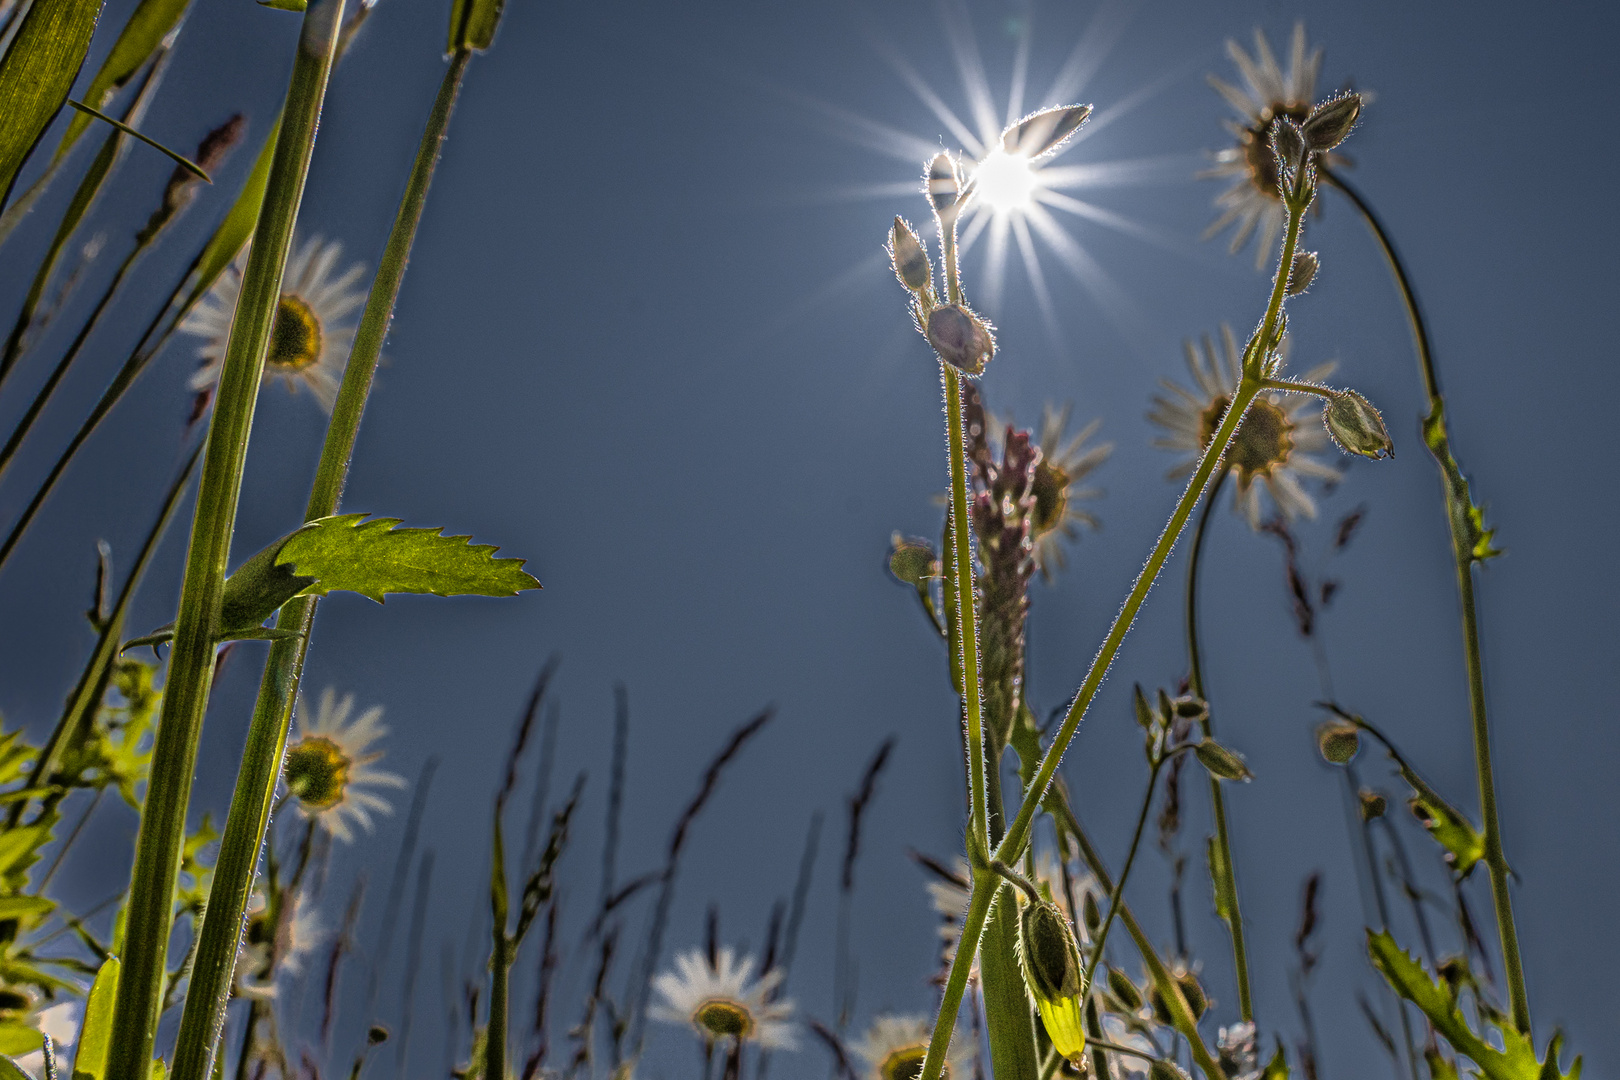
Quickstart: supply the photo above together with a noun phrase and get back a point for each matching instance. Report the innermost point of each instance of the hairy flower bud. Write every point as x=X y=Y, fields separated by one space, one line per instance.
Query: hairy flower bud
x=944 y=185
x=913 y=561
x=909 y=258
x=1053 y=973
x=961 y=338
x=1356 y=426
x=1045 y=131
x=1373 y=804
x=1191 y=993
x=1302 y=272
x=1338 y=742
x=1123 y=989
x=1331 y=121
x=1289 y=146
x=1221 y=762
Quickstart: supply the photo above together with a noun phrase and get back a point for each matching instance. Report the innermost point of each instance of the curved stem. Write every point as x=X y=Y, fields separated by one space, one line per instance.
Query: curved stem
x=1458 y=507
x=1124 y=873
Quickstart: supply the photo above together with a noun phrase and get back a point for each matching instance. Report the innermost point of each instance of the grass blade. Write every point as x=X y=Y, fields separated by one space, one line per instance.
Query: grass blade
x=179 y=159
x=36 y=74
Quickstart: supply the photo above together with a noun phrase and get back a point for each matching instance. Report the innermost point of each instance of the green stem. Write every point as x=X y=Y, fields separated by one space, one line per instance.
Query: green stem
x=272 y=714
x=961 y=584
x=1118 y=890
x=1195 y=679
x=1458 y=504
x=1294 y=386
x=1012 y=845
x=185 y=698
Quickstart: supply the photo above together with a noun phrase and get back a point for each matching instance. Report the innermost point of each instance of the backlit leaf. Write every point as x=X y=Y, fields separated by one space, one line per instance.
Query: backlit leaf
x=95 y=1037
x=17 y=1038
x=373 y=558
x=36 y=74
x=1517 y=1058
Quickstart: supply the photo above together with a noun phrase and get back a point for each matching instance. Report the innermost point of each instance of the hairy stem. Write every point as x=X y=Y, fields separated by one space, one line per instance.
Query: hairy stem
x=248 y=820
x=1458 y=505
x=185 y=698
x=961 y=585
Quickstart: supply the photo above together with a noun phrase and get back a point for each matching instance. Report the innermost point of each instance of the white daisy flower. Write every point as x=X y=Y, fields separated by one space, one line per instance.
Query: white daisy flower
x=1272 y=445
x=1267 y=92
x=894 y=1047
x=725 y=1000
x=328 y=767
x=309 y=340
x=269 y=950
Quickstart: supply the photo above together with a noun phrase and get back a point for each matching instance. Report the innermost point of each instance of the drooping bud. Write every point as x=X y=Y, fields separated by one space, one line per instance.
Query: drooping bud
x=1221 y=762
x=1123 y=989
x=1356 y=426
x=1373 y=804
x=1302 y=272
x=913 y=561
x=944 y=185
x=1331 y=121
x=1045 y=131
x=1338 y=742
x=961 y=338
x=1289 y=146
x=1050 y=960
x=909 y=258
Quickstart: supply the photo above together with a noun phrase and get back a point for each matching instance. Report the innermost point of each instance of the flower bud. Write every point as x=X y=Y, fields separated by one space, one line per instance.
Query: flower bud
x=1123 y=989
x=944 y=185
x=913 y=561
x=909 y=258
x=1052 y=974
x=1092 y=914
x=1221 y=762
x=1045 y=131
x=1356 y=426
x=1373 y=804
x=1338 y=742
x=1191 y=708
x=1191 y=992
x=961 y=338
x=376 y=1035
x=1331 y=121
x=1301 y=272
x=1289 y=146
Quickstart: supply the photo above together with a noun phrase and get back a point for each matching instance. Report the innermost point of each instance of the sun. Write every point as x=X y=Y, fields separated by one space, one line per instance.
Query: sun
x=1006 y=183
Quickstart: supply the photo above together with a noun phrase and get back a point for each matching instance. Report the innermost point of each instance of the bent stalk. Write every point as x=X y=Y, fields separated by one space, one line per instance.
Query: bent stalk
x=1459 y=506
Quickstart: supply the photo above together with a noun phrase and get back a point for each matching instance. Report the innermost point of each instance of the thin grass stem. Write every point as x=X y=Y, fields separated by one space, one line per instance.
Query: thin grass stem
x=1458 y=506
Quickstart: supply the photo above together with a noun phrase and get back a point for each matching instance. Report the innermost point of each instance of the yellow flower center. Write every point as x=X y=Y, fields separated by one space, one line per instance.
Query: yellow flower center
x=317 y=772
x=1257 y=146
x=722 y=1016
x=906 y=1064
x=1264 y=440
x=295 y=337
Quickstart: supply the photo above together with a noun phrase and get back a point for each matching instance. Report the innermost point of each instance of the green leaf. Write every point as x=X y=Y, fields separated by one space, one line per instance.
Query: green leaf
x=19 y=849
x=1464 y=844
x=1517 y=1058
x=95 y=1037
x=1276 y=1069
x=472 y=24
x=285 y=5
x=1225 y=887
x=17 y=1038
x=25 y=908
x=345 y=552
x=144 y=34
x=36 y=74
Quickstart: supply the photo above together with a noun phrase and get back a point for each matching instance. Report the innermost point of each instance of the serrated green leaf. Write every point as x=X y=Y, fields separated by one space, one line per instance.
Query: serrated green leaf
x=36 y=74
x=373 y=558
x=153 y=22
x=19 y=849
x=472 y=24
x=95 y=1037
x=1483 y=540
x=1517 y=1058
